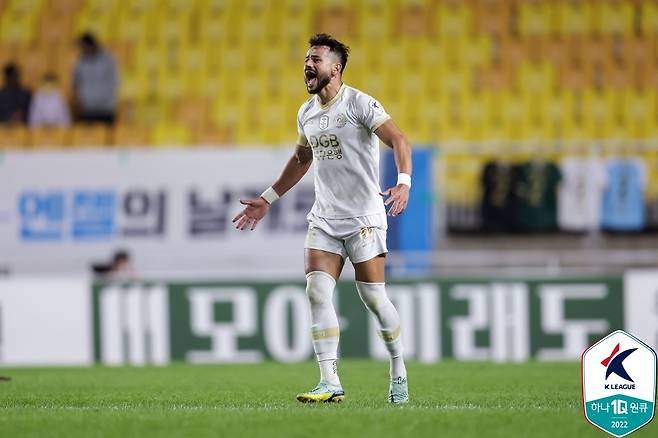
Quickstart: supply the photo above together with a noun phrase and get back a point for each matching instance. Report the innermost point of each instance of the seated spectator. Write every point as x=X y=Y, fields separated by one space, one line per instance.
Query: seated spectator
x=48 y=107
x=95 y=82
x=14 y=99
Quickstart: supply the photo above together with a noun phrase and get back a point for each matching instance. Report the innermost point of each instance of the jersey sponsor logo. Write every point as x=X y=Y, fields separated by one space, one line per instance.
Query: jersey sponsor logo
x=324 y=122
x=340 y=120
x=326 y=147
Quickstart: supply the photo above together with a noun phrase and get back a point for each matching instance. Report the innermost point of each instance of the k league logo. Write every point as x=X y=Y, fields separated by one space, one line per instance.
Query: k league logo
x=619 y=383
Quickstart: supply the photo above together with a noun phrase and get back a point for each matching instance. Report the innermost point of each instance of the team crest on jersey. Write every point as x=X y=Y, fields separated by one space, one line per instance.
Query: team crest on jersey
x=340 y=120
x=324 y=122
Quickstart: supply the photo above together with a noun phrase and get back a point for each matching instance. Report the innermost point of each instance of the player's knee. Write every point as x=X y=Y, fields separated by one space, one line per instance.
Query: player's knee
x=373 y=295
x=370 y=300
x=319 y=288
x=317 y=296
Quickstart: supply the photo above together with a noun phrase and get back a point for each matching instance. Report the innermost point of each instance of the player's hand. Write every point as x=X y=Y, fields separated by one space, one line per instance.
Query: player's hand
x=398 y=196
x=255 y=210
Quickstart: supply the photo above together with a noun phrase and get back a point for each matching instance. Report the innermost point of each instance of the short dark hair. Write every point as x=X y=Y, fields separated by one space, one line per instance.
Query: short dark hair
x=10 y=70
x=120 y=256
x=88 y=39
x=335 y=46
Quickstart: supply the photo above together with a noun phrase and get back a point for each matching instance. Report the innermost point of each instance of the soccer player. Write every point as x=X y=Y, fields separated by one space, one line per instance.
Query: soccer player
x=339 y=128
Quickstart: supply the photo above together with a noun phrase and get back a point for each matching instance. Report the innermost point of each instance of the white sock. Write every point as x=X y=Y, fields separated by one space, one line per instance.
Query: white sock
x=374 y=297
x=324 y=324
x=329 y=371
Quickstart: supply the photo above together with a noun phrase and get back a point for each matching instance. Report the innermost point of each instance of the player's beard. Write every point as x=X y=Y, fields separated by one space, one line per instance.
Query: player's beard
x=320 y=83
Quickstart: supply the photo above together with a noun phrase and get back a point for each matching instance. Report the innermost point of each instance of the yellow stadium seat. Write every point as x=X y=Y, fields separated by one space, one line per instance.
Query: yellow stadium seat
x=98 y=21
x=42 y=138
x=192 y=112
x=134 y=26
x=89 y=135
x=336 y=18
x=134 y=85
x=172 y=83
x=413 y=19
x=614 y=17
x=452 y=20
x=649 y=18
x=536 y=77
x=461 y=178
x=183 y=6
x=104 y=5
x=213 y=26
x=475 y=115
x=557 y=111
x=138 y=7
x=275 y=129
x=453 y=79
x=150 y=57
x=13 y=137
x=515 y=115
x=640 y=110
x=534 y=17
x=492 y=17
x=18 y=27
x=170 y=134
x=476 y=50
x=450 y=125
x=211 y=135
x=130 y=135
x=65 y=8
x=574 y=18
x=598 y=111
x=25 y=6
x=172 y=25
x=375 y=22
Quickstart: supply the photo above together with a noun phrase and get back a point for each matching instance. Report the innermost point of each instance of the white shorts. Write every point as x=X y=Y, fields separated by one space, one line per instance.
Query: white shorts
x=360 y=238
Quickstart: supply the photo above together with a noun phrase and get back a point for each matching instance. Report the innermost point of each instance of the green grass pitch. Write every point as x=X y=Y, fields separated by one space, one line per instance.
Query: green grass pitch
x=449 y=399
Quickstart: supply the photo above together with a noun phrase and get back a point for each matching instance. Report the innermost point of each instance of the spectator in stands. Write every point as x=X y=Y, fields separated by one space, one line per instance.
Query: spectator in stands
x=14 y=99
x=95 y=82
x=48 y=106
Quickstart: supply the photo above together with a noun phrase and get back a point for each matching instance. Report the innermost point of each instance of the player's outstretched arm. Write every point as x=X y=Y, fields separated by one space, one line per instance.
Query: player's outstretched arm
x=398 y=196
x=256 y=209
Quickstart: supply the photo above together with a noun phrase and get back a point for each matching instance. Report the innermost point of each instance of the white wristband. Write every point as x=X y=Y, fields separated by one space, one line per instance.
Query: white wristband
x=270 y=195
x=404 y=178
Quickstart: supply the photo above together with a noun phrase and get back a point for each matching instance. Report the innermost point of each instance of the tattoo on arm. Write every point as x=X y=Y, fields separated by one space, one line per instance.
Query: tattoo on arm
x=304 y=154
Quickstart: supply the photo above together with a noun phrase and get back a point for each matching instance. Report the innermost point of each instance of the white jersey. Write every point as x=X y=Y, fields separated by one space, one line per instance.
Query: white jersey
x=345 y=151
x=581 y=193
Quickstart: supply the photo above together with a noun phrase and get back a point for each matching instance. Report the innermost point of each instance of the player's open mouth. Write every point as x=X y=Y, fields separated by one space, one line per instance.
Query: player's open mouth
x=311 y=78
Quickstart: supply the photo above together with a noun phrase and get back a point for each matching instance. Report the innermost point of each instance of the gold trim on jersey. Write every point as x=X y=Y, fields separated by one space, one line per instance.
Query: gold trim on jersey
x=302 y=140
x=379 y=123
x=332 y=101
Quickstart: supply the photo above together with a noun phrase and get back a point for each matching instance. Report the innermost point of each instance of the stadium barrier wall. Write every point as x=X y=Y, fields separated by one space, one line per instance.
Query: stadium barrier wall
x=55 y=321
x=61 y=209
